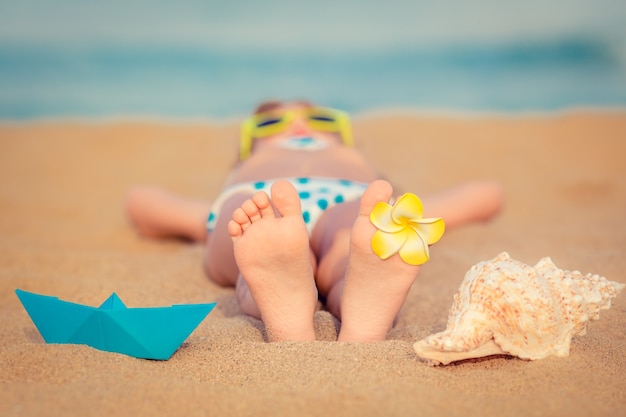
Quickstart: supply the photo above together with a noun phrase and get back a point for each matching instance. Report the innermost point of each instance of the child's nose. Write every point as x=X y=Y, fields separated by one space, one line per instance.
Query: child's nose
x=299 y=126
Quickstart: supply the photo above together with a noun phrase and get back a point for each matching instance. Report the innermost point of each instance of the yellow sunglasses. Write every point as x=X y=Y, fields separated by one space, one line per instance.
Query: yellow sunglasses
x=273 y=122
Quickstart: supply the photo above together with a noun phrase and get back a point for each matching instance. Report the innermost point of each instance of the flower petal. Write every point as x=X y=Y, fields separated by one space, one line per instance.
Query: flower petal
x=386 y=245
x=415 y=249
x=430 y=229
x=408 y=207
x=382 y=219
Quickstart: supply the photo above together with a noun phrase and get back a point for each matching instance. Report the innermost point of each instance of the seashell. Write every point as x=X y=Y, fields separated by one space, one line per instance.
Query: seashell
x=505 y=307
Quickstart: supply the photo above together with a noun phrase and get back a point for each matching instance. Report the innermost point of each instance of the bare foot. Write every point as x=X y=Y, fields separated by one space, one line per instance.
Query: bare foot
x=375 y=289
x=273 y=255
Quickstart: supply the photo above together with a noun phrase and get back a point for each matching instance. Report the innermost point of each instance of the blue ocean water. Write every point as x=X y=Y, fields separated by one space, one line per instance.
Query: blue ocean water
x=52 y=72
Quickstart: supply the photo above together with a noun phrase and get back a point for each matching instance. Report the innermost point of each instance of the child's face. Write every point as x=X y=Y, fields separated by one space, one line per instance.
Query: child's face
x=298 y=128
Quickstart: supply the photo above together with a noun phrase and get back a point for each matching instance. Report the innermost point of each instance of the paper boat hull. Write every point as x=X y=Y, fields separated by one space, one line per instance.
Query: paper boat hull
x=150 y=333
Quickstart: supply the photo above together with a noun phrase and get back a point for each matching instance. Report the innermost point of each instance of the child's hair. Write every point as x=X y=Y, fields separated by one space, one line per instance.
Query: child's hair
x=274 y=104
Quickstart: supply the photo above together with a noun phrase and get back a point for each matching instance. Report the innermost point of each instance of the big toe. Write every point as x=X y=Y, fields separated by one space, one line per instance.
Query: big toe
x=286 y=199
x=376 y=192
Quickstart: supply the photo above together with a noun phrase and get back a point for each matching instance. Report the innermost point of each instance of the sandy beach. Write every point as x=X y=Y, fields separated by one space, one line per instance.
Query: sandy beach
x=63 y=233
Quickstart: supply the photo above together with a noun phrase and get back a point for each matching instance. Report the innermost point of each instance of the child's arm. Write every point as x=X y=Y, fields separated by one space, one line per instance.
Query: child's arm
x=157 y=213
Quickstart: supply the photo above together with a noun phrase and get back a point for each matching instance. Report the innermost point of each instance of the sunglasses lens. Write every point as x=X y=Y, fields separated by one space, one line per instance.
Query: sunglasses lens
x=322 y=118
x=268 y=125
x=324 y=121
x=269 y=122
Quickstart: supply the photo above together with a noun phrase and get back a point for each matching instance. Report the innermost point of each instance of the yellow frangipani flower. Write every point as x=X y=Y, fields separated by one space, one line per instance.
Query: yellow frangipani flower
x=403 y=230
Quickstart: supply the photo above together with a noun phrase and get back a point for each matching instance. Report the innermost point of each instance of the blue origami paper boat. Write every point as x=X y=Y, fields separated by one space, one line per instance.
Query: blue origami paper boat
x=150 y=333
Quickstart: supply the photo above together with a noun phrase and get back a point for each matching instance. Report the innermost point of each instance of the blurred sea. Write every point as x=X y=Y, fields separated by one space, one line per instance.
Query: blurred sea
x=193 y=59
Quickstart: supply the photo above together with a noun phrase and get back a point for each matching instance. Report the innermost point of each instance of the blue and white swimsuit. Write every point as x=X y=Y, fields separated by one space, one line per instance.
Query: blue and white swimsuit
x=316 y=195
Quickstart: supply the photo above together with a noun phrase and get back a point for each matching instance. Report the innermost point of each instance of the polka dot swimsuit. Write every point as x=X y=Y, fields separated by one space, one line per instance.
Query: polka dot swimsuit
x=316 y=195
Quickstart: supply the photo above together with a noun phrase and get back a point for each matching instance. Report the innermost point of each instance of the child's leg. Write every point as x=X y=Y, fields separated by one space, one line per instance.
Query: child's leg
x=158 y=213
x=469 y=202
x=273 y=255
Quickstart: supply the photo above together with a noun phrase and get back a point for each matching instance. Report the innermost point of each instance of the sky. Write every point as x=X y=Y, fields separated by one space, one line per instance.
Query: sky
x=328 y=24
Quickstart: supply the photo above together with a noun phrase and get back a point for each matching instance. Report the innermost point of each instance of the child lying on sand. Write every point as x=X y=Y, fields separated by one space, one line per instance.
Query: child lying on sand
x=292 y=225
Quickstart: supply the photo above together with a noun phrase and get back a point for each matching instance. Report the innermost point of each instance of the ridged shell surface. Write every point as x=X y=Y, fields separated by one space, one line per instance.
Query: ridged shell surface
x=504 y=306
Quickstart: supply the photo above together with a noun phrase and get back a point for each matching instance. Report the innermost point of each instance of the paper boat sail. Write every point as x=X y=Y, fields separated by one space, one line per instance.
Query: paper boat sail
x=150 y=333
